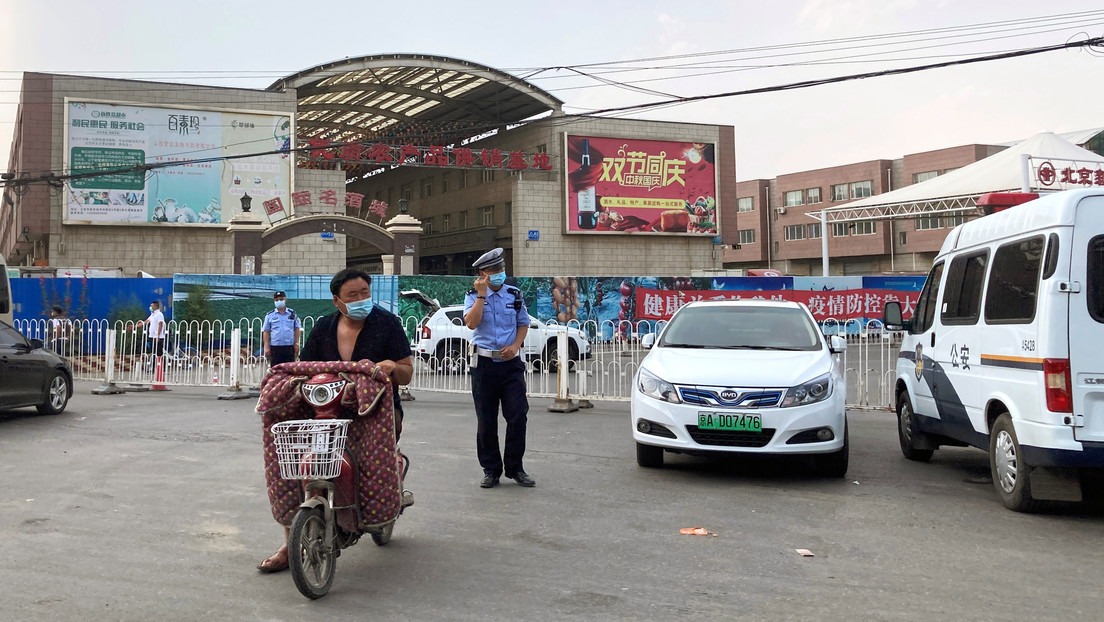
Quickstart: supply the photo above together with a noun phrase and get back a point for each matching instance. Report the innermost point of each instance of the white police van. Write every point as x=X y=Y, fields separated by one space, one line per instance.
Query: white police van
x=1005 y=350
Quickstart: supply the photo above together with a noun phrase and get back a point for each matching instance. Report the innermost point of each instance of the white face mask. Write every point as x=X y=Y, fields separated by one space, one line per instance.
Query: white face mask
x=280 y=304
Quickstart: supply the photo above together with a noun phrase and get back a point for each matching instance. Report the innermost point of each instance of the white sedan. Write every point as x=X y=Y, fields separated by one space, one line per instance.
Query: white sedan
x=742 y=376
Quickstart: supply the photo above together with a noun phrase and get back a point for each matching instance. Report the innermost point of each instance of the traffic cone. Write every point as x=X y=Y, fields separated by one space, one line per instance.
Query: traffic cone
x=159 y=376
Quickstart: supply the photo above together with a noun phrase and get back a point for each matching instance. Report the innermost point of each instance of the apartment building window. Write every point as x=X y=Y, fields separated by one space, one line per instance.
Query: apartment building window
x=925 y=176
x=390 y=196
x=463 y=179
x=860 y=189
x=462 y=220
x=812 y=231
x=427 y=226
x=509 y=212
x=794 y=197
x=953 y=221
x=928 y=222
x=839 y=192
x=488 y=175
x=427 y=188
x=865 y=227
x=542 y=148
x=747 y=236
x=840 y=229
x=486 y=216
x=902 y=237
x=812 y=195
x=444 y=183
x=445 y=222
x=745 y=204
x=407 y=192
x=795 y=232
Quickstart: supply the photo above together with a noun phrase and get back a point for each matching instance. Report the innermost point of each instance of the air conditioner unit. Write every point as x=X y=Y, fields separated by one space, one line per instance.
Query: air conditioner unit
x=780 y=210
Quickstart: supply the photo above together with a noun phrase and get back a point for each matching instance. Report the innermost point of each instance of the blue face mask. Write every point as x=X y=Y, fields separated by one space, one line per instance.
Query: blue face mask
x=498 y=278
x=358 y=310
x=280 y=304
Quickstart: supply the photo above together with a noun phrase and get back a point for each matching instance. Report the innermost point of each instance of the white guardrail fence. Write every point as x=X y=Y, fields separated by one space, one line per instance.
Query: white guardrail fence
x=230 y=354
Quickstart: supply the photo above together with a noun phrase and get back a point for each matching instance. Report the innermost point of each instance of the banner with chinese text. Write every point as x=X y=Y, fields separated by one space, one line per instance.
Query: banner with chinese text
x=628 y=185
x=841 y=305
x=207 y=185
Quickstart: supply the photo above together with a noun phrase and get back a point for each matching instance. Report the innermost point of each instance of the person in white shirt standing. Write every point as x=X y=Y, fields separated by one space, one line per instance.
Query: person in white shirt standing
x=155 y=328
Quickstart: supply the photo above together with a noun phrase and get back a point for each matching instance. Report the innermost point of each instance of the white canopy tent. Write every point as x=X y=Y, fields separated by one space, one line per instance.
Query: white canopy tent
x=1023 y=167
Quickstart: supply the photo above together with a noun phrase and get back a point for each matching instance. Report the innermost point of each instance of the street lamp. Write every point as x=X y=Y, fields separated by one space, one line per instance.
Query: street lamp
x=403 y=207
x=246 y=203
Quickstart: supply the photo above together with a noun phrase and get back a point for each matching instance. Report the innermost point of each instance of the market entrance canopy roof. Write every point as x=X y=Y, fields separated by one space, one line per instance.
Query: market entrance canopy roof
x=957 y=191
x=413 y=96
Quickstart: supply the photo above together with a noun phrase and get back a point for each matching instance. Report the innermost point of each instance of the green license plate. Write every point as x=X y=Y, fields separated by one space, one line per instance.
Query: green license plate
x=731 y=422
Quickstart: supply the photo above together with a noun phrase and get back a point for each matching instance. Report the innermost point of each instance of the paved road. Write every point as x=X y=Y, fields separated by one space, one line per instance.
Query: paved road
x=151 y=506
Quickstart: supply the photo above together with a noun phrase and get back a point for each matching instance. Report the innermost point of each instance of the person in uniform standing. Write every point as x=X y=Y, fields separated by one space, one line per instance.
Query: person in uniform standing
x=156 y=328
x=497 y=314
x=280 y=331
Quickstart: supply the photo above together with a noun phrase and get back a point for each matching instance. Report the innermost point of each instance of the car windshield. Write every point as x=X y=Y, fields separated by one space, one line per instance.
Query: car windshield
x=741 y=327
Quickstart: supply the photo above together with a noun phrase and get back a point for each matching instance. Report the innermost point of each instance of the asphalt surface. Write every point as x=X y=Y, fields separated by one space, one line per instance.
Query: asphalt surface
x=152 y=506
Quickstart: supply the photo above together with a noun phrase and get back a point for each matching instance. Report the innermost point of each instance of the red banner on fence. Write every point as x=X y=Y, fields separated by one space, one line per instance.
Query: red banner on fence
x=661 y=304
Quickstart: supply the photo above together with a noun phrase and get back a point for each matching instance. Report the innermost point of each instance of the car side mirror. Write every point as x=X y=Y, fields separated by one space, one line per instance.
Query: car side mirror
x=837 y=344
x=534 y=325
x=891 y=317
x=647 y=341
x=36 y=344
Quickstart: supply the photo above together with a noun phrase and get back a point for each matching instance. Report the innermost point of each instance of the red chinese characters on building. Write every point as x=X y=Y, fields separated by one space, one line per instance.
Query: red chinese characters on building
x=301 y=198
x=1083 y=176
x=491 y=158
x=273 y=206
x=350 y=153
x=319 y=149
x=463 y=156
x=409 y=151
x=329 y=197
x=380 y=153
x=517 y=162
x=542 y=161
x=436 y=156
x=354 y=200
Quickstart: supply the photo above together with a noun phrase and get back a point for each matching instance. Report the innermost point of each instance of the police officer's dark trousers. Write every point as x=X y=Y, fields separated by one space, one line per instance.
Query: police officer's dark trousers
x=494 y=384
x=281 y=354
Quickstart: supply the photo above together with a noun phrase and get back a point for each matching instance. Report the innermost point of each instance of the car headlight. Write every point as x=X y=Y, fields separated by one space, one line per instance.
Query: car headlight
x=811 y=392
x=653 y=387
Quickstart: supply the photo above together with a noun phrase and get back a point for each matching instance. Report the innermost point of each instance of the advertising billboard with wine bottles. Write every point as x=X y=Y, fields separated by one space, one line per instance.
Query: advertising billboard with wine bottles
x=636 y=186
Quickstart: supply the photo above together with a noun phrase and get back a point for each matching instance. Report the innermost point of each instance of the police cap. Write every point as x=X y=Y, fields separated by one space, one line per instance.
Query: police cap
x=491 y=260
x=279 y=295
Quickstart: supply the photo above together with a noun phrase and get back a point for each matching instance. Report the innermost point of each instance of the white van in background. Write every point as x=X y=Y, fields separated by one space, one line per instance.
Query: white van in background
x=1005 y=349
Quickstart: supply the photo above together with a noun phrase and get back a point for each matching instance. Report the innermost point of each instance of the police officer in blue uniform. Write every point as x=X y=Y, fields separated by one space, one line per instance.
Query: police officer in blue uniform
x=280 y=332
x=497 y=314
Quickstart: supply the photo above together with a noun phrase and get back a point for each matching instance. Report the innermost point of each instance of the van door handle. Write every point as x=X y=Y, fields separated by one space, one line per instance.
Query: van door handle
x=933 y=339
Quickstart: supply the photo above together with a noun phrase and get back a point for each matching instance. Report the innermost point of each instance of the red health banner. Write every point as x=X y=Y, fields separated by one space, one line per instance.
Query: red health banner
x=661 y=304
x=626 y=185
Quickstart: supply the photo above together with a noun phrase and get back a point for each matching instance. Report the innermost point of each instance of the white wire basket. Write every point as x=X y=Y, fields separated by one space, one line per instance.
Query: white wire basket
x=310 y=448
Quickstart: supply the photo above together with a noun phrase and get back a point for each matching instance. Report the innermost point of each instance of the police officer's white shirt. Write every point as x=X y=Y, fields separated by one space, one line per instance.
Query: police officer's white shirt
x=156 y=321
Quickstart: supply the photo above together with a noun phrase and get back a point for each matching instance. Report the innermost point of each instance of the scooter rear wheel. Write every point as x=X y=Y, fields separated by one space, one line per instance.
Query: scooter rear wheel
x=384 y=535
x=311 y=558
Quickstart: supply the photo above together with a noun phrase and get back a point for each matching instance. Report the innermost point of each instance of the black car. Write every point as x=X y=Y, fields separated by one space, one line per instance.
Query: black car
x=31 y=375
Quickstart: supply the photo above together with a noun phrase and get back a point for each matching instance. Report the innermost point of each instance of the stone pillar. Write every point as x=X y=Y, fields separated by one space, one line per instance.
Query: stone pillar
x=245 y=233
x=388 y=264
x=407 y=232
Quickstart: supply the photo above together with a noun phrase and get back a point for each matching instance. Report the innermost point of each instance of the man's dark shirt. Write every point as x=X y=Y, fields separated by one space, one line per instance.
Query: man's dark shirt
x=382 y=338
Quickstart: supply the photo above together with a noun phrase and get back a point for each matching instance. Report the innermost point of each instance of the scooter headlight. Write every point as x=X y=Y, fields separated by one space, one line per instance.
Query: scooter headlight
x=323 y=394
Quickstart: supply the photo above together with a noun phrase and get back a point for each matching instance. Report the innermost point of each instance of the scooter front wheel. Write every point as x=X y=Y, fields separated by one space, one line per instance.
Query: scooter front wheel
x=312 y=559
x=384 y=535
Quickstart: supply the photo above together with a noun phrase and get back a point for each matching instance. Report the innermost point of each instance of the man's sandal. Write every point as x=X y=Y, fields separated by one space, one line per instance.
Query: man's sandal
x=273 y=563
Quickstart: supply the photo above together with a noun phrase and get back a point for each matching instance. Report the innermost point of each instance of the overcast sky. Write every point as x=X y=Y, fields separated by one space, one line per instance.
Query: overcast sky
x=250 y=44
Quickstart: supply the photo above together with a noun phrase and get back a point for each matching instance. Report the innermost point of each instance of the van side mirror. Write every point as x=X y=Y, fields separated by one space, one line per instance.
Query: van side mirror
x=837 y=344
x=647 y=341
x=891 y=317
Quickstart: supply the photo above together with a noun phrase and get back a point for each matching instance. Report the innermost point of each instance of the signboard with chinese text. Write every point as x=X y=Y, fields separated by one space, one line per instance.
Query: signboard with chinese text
x=349 y=156
x=1055 y=174
x=628 y=185
x=141 y=143
x=661 y=304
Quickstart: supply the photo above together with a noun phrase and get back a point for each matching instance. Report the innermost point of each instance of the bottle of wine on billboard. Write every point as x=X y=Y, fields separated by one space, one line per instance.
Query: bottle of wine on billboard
x=588 y=210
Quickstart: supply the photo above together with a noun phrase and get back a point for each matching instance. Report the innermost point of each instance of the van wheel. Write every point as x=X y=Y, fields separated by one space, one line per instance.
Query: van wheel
x=1011 y=475
x=834 y=464
x=649 y=456
x=907 y=432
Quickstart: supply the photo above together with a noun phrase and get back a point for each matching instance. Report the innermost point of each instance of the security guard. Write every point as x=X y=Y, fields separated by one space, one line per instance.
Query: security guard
x=281 y=331
x=497 y=314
